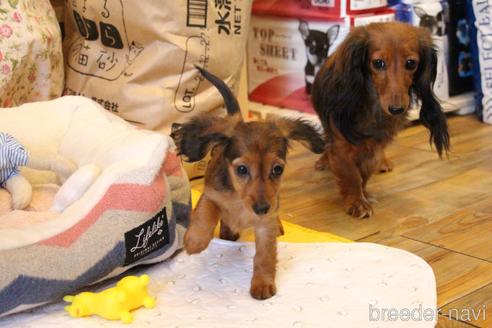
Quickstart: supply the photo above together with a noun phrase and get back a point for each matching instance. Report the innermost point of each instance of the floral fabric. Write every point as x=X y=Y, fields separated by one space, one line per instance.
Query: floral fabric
x=31 y=60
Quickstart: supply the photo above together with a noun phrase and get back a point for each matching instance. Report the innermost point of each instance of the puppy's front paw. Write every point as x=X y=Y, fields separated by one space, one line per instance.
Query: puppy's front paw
x=360 y=209
x=195 y=242
x=261 y=289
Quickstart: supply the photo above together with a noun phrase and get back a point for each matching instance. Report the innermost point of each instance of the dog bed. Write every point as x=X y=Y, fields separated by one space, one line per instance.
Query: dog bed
x=319 y=285
x=134 y=212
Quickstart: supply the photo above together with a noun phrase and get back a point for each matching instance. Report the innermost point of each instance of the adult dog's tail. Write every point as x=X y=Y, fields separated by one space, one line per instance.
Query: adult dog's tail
x=230 y=100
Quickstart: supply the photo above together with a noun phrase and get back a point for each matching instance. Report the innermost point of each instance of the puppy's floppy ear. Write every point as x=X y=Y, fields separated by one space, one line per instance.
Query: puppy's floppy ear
x=341 y=88
x=196 y=137
x=303 y=132
x=431 y=114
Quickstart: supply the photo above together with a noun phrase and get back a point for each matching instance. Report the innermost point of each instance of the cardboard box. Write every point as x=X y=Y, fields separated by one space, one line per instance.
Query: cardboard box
x=350 y=7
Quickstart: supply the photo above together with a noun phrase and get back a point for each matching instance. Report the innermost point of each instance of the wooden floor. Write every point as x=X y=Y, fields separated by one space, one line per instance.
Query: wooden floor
x=440 y=210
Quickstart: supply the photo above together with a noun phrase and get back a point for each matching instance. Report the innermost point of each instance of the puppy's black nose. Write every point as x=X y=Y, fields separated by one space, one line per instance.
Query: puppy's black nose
x=396 y=110
x=261 y=208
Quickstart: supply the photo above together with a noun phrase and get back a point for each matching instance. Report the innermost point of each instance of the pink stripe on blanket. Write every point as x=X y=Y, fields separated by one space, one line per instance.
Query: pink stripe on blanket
x=129 y=197
x=172 y=165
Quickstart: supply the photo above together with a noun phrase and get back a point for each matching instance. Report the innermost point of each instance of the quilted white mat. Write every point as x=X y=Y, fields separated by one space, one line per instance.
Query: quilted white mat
x=319 y=285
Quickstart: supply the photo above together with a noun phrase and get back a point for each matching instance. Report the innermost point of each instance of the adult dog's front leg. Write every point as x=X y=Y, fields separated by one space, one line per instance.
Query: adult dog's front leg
x=265 y=261
x=203 y=220
x=350 y=182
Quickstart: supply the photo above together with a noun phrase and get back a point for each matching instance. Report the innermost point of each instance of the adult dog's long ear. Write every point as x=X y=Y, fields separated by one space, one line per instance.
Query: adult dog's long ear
x=196 y=137
x=431 y=114
x=303 y=132
x=341 y=88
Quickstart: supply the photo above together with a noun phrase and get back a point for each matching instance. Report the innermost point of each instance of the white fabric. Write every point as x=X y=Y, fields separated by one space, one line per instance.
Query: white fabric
x=75 y=186
x=79 y=129
x=319 y=285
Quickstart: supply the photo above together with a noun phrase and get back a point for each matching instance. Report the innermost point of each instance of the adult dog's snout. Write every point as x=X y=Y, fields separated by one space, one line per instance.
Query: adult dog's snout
x=261 y=208
x=396 y=110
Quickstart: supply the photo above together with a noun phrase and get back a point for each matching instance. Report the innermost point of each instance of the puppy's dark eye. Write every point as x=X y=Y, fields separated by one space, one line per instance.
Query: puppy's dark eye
x=242 y=170
x=379 y=64
x=411 y=64
x=277 y=170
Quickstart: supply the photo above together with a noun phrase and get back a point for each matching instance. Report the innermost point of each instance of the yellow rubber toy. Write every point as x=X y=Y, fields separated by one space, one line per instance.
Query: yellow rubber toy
x=114 y=303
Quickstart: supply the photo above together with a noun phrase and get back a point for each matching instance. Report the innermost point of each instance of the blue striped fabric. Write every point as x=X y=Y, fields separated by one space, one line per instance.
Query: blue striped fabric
x=12 y=155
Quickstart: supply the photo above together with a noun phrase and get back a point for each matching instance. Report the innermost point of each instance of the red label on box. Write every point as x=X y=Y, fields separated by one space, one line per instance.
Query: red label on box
x=297 y=9
x=355 y=7
x=317 y=9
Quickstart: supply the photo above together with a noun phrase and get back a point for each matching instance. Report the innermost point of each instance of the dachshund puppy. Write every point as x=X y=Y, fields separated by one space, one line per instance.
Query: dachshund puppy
x=242 y=179
x=362 y=95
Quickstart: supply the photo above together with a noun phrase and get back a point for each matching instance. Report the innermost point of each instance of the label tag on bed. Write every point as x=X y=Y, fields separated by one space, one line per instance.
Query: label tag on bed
x=147 y=238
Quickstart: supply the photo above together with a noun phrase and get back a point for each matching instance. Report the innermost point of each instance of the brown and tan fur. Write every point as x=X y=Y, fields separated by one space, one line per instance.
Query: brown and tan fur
x=242 y=181
x=362 y=95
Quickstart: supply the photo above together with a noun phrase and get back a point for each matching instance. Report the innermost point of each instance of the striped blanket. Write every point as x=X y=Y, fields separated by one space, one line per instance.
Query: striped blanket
x=135 y=212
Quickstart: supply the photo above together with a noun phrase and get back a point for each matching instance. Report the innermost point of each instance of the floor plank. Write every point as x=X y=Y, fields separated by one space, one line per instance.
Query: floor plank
x=445 y=322
x=466 y=136
x=466 y=231
x=479 y=301
x=457 y=275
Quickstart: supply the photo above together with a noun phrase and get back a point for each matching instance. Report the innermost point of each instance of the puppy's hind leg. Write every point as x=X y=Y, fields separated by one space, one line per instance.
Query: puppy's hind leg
x=203 y=221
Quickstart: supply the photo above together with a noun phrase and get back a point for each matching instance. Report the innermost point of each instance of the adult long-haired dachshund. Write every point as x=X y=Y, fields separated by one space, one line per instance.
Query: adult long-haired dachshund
x=242 y=179
x=362 y=95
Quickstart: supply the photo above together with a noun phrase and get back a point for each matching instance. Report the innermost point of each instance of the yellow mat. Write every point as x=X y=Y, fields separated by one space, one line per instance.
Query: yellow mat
x=293 y=233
